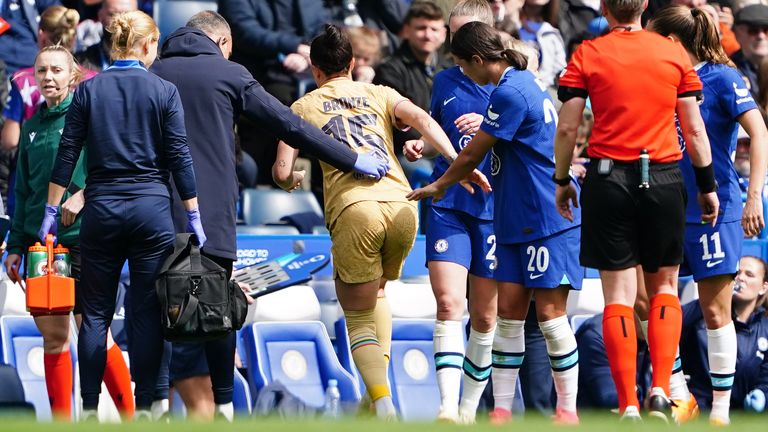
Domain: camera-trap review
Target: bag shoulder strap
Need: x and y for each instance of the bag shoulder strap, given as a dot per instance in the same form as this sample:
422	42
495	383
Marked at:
188	307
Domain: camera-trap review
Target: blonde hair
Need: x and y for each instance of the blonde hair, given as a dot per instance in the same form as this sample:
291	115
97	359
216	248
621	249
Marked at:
77	73
479	9
60	24
524	48
365	41
129	31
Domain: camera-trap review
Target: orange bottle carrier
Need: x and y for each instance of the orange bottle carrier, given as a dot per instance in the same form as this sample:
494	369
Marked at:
49	289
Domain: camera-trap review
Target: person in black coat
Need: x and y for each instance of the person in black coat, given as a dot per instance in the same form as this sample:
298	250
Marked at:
215	92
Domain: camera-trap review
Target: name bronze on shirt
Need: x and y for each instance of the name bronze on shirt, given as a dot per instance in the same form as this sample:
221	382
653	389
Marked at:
343	103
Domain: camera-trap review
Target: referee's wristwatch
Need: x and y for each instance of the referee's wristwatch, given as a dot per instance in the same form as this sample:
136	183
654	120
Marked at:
561	182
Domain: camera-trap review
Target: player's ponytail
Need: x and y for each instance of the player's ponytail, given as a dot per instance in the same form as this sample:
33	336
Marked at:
331	51
129	31
481	40
694	28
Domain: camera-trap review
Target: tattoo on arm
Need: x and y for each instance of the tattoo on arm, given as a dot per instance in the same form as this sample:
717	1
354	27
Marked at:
281	163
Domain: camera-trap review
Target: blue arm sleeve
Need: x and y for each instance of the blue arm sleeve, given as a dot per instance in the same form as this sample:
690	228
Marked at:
175	149
266	111
250	33
72	139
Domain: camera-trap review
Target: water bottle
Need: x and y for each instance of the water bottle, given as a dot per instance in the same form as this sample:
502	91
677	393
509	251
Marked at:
332	400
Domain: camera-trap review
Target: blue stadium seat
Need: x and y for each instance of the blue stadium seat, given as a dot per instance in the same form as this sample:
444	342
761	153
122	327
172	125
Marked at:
412	369
172	14
12	400
578	320
261	206
299	354
22	348
241	397
756	247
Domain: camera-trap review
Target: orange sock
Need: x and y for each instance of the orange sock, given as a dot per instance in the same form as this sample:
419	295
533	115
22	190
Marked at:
665	321
621	347
118	381
58	381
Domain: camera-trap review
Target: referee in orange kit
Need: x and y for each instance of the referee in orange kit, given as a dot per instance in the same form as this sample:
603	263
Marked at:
633	197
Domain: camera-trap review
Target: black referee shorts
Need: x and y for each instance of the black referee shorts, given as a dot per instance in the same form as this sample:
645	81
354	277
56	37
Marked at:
623	226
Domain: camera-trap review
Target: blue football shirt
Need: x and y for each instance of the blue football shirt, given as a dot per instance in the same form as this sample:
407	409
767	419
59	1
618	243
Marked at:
523	117
726	97
453	95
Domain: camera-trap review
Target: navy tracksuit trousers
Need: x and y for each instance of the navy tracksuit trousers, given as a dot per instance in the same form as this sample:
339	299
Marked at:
140	230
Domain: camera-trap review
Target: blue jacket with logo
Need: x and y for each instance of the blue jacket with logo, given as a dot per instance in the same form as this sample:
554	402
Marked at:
751	361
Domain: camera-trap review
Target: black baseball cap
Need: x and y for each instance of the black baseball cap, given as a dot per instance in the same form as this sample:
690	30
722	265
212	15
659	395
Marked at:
756	14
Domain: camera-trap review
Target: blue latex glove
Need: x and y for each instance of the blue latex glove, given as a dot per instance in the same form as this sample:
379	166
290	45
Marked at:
195	225
755	401
49	222
371	165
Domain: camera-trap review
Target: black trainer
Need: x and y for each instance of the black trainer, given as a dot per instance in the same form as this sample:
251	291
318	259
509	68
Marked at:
659	405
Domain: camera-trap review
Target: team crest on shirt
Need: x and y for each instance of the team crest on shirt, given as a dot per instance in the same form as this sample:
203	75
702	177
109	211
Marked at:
762	344
495	163
441	245
32	136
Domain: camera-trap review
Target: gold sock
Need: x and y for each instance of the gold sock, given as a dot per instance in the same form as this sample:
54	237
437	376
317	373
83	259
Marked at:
382	316
367	352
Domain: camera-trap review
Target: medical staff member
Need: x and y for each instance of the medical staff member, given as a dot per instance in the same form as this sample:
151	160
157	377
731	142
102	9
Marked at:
131	124
536	249
712	252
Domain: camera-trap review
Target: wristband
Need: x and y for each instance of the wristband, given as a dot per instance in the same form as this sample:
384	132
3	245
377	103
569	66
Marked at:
705	178
561	182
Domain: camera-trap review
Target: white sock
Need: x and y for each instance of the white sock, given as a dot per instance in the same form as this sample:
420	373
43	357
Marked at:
159	408
477	370
448	343
678	387
507	355
564	359
226	410
721	351
385	409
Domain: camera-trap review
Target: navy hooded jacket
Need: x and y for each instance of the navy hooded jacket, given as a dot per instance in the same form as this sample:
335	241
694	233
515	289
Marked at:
214	93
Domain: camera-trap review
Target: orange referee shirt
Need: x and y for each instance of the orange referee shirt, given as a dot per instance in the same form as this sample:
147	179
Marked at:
633	80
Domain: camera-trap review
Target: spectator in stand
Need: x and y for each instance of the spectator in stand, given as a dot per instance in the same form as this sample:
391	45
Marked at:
751	29
385	15
575	16
506	15
96	57
19	31
750	382
366	47
412	68
538	20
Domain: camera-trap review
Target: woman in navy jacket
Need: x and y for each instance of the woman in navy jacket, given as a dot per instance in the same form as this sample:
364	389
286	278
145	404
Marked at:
131	123
750	383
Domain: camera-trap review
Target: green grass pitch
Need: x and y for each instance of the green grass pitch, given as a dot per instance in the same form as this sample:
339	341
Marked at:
598	422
